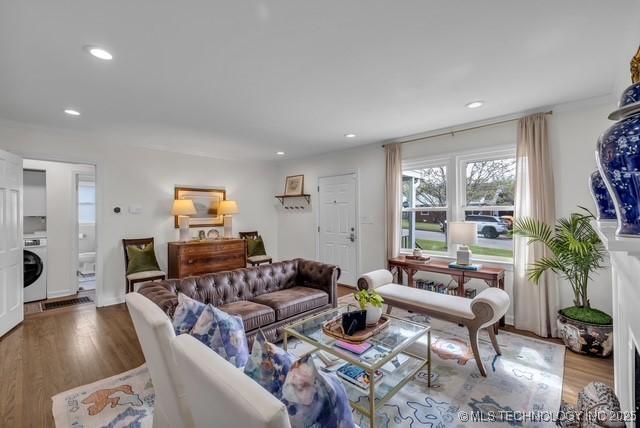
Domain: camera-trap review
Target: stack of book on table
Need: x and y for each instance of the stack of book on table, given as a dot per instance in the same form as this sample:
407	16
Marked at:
368	353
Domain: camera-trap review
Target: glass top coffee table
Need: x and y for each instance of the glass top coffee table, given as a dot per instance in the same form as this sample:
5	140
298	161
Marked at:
388	354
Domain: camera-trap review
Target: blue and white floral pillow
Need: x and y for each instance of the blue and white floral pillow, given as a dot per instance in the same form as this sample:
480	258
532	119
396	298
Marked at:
224	333
186	314
269	365
314	398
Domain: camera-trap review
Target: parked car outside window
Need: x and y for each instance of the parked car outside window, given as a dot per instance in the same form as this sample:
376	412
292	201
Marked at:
489	226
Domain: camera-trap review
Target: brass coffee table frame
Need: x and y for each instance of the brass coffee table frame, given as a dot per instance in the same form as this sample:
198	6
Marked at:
394	352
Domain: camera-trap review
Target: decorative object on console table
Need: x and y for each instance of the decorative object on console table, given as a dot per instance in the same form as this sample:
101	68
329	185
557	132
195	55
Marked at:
139	275
464	234
606	210
618	157
577	253
201	257
227	209
206	201
183	209
294	185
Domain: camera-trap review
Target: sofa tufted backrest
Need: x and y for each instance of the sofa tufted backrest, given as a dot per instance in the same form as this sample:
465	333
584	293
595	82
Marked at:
244	284
241	284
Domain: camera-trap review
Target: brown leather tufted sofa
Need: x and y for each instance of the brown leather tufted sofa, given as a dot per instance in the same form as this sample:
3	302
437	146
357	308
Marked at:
267	297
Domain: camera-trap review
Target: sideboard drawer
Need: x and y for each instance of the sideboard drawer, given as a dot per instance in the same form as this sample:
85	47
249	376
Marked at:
201	257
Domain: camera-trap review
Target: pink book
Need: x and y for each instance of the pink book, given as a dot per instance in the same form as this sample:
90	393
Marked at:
356	349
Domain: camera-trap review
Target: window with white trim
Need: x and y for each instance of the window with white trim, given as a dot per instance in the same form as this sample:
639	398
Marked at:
478	187
86	202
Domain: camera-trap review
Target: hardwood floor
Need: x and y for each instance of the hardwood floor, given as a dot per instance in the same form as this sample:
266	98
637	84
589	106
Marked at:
579	370
53	351
57	350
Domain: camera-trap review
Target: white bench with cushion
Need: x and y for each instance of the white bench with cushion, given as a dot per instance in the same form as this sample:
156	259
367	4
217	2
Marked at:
482	311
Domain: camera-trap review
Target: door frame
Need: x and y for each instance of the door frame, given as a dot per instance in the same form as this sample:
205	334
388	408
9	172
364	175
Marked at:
356	175
75	178
97	164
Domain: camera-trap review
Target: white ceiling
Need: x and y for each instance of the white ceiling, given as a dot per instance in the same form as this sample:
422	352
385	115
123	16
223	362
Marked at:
245	78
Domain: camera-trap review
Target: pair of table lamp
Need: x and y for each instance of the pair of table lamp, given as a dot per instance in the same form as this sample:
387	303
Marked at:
184	209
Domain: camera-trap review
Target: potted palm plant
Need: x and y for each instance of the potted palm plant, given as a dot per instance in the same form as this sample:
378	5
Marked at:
372	303
577	253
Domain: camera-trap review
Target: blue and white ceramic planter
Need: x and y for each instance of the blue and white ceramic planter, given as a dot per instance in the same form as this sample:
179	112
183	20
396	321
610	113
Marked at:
619	160
605	209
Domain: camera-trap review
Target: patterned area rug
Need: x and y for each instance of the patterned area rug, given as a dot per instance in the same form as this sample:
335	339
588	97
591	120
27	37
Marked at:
526	378
124	400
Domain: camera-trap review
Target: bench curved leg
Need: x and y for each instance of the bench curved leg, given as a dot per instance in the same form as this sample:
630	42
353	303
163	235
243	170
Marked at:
494	341
473	337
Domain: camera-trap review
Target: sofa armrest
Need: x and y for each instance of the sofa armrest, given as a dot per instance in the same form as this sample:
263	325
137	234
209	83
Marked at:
162	293
375	279
320	276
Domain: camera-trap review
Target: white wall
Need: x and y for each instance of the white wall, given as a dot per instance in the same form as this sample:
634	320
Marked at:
297	233
574	129
127	175
61	228
573	133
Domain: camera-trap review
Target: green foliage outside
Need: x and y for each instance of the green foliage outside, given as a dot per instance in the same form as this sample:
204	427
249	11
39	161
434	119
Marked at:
427	227
430	245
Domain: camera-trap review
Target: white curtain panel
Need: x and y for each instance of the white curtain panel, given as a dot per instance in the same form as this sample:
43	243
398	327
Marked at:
393	197
535	305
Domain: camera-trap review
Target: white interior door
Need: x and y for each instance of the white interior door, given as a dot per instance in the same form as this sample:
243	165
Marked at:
337	225
11	242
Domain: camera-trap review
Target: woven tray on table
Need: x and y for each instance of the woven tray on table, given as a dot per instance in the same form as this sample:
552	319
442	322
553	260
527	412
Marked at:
333	328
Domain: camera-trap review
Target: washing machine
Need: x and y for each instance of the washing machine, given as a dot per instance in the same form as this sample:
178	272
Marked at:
35	269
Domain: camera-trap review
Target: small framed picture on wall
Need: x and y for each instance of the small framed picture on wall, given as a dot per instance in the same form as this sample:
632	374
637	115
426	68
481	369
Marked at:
294	185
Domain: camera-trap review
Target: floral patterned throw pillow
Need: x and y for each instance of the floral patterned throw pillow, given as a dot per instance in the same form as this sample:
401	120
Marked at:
268	365
314	398
186	314
224	333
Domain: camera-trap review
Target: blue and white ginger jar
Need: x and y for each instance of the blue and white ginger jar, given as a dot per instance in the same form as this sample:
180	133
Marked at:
619	159
605	209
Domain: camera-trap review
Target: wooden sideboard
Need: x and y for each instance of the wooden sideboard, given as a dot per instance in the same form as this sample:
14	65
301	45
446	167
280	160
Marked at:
200	257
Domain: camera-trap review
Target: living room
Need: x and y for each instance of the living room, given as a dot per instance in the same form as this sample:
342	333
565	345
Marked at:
324	124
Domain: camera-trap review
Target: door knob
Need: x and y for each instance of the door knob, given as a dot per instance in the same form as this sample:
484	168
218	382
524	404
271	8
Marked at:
352	237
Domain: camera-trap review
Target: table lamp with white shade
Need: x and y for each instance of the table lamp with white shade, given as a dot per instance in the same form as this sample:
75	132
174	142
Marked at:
227	209
183	208
464	234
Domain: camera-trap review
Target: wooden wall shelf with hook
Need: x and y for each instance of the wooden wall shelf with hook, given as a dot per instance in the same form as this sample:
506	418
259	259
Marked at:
282	198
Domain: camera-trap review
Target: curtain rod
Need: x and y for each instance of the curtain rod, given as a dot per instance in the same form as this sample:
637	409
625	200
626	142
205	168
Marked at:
452	133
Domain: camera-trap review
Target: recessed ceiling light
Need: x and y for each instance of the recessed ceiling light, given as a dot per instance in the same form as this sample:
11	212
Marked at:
280	153
350	135
475	104
99	52
72	112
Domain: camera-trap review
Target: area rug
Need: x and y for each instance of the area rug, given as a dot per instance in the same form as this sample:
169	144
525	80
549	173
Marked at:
524	384
124	400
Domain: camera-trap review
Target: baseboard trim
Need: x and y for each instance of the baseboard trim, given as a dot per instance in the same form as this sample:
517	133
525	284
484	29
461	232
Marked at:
111	301
63	293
